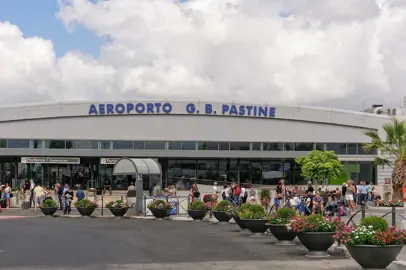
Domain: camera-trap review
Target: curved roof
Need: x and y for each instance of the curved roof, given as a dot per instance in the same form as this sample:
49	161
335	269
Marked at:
21	112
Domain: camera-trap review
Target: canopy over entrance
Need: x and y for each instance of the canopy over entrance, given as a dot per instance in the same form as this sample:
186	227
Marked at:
136	166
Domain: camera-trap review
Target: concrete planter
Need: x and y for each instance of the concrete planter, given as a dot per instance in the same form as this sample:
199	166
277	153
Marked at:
256	226
160	213
118	212
222	216
86	212
49	211
317	243
284	236
374	257
197	214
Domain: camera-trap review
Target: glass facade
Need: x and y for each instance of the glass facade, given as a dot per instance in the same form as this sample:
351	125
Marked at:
339	148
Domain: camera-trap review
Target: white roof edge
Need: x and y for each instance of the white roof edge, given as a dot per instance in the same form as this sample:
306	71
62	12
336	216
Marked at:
80	102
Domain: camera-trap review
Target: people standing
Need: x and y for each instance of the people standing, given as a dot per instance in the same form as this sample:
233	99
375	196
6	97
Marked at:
349	196
132	195
32	187
363	191
68	195
7	193
58	190
80	194
280	194
215	193
38	196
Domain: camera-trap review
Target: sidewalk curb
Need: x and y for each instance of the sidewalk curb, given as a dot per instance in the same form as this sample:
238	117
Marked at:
398	265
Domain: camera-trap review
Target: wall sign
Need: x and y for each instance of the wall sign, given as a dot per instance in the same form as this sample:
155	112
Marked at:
51	160
109	161
179	108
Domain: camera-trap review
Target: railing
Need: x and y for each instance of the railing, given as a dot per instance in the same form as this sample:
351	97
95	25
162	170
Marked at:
364	211
180	204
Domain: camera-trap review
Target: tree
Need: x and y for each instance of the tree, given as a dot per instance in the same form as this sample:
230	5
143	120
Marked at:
392	152
320	165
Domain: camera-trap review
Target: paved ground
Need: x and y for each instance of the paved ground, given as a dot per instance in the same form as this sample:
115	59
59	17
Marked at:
90	243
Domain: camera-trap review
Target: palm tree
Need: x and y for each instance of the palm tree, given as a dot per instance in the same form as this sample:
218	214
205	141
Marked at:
393	152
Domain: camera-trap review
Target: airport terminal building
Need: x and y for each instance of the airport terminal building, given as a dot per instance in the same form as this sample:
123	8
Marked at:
203	141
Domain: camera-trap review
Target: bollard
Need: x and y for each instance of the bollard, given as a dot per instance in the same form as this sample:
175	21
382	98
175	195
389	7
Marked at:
393	216
362	210
102	205
144	205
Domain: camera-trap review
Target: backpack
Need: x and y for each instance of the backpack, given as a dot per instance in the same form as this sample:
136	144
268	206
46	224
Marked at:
237	191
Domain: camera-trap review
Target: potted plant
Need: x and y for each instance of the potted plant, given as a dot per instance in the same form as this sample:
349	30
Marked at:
198	210
277	226
316	233
265	197
85	207
160	208
373	245
222	212
253	216
118	208
49	207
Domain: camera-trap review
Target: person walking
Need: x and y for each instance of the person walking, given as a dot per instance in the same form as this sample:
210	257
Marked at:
68	195
349	196
7	195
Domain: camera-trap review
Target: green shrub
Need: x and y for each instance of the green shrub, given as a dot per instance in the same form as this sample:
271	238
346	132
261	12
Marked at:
116	204
198	205
85	203
159	204
283	216
223	206
377	223
252	211
265	193
49	204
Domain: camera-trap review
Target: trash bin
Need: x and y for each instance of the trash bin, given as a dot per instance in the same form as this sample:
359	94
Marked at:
98	191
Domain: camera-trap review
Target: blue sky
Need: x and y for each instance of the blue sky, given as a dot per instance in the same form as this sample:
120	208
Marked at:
37	18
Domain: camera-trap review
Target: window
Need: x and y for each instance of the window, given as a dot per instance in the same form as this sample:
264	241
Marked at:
155	145
175	145
123	144
272	146
139	145
36	144
69	144
256	172
319	146
105	145
303	146
189	168
240	146
361	150
208	146
224	146
188	145
245	172
338	148
256	146
351	148
85	144
18	144
288	146
55	144
3	143
207	169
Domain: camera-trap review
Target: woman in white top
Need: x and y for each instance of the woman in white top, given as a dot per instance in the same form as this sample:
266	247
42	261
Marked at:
7	193
349	195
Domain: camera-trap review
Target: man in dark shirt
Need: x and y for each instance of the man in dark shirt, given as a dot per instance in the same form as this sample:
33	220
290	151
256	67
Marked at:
310	187
280	193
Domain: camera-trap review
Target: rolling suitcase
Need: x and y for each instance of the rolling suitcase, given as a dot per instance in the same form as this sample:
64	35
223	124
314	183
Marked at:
25	205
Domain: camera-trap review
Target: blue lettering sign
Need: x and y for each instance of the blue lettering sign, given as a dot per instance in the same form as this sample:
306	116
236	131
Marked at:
191	108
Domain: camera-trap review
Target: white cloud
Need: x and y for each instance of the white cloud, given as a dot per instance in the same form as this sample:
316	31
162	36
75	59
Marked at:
324	50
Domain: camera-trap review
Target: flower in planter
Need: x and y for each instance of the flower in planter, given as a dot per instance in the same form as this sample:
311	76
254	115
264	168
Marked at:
160	204
364	235
223	206
282	217
199	205
208	198
49	204
117	204
252	211
85	203
315	223
386	203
